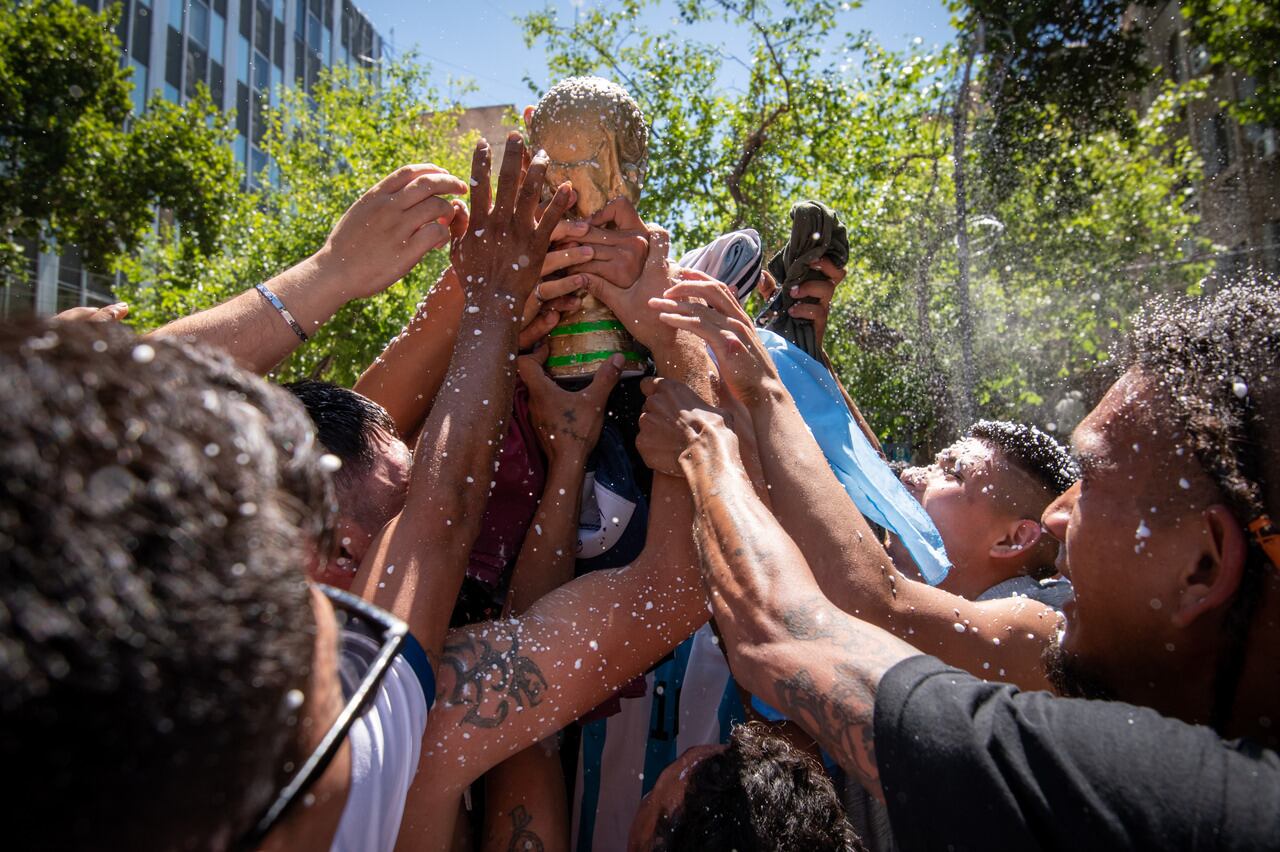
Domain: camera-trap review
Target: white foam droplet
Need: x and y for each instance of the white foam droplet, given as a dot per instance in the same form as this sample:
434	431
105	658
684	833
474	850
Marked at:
143	353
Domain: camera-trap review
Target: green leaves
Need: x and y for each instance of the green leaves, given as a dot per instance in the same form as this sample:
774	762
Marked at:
1090	215
354	128
1244	34
70	169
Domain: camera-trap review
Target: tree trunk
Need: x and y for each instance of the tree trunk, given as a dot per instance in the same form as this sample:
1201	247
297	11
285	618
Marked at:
965	404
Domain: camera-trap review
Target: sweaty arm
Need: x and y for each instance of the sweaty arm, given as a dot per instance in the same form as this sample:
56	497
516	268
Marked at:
1002	638
785	641
504	685
415	565
375	243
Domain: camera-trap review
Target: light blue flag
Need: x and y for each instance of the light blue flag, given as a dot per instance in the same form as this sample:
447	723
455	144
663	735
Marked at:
869	481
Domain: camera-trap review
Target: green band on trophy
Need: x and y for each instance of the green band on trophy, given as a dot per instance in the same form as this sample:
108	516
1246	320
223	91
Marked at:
587	357
586	327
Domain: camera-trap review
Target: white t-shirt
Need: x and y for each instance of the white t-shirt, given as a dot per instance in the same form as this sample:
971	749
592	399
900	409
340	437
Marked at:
385	742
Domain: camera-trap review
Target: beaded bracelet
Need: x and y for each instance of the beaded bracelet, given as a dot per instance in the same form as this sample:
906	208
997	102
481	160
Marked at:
284	312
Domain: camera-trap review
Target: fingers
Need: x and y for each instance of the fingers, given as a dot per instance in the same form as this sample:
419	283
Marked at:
828	268
530	368
461	219
531	189
573	229
563	259
820	290
606	378
659	245
809	312
541	325
552	215
427	238
619	212
402	176
111	313
481	163
429	185
714	293
433	209
509	178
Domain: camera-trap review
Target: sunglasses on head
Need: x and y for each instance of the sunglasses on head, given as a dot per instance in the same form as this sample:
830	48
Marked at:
353	613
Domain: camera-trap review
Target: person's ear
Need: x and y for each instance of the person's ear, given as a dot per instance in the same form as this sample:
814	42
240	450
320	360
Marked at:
1213	580
1019	538
528	119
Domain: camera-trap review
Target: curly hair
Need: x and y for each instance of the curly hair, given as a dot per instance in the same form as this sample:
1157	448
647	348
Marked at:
1216	361
157	506
1035	452
760	793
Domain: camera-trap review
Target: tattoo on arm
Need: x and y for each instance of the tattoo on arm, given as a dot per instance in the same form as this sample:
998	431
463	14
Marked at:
839	713
523	838
839	717
490	681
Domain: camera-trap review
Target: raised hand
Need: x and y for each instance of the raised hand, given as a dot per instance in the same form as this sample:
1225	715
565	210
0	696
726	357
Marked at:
389	228
674	418
568	423
619	251
631	304
745	367
499	257
820	289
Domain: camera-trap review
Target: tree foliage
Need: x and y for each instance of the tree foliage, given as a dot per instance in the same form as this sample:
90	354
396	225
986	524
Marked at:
74	166
354	128
1089	217
1245	35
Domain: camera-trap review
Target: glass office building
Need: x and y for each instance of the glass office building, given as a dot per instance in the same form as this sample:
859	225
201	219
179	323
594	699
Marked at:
246	52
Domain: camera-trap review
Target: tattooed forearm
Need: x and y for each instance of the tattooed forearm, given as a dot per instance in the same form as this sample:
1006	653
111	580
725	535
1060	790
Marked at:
838	715
487	679
523	838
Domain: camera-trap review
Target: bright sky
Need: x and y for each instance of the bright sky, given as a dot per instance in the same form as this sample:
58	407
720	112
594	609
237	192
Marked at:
480	39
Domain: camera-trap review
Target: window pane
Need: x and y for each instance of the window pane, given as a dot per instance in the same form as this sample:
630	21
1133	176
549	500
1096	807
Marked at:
261	73
171	93
139	77
122	25
242	148
242	109
97	290
246	18
277	84
69	275
326	49
217	84
197	68
243	59
141	47
198	23
218	38
262	28
279	9
173	58
176	8
278	44
313	32
257	161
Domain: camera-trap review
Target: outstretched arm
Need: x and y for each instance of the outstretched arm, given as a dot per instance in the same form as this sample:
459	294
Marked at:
525	794
375	243
415	565
785	641
1003	638
507	684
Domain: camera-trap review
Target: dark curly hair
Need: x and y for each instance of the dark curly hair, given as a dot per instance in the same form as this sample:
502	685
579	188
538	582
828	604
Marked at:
1032	450
157	508
760	793
1216	361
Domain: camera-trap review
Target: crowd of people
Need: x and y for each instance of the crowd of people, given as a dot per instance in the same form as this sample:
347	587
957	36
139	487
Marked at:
240	615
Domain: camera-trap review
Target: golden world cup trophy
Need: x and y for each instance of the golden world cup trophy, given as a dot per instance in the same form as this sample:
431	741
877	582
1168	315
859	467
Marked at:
595	136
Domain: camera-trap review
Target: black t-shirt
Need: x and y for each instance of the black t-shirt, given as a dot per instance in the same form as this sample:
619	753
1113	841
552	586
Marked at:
972	765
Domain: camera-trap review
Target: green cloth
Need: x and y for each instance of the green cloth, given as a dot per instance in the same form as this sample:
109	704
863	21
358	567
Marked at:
816	233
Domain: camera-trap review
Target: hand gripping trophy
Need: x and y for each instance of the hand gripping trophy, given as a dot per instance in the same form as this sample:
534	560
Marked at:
595	136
